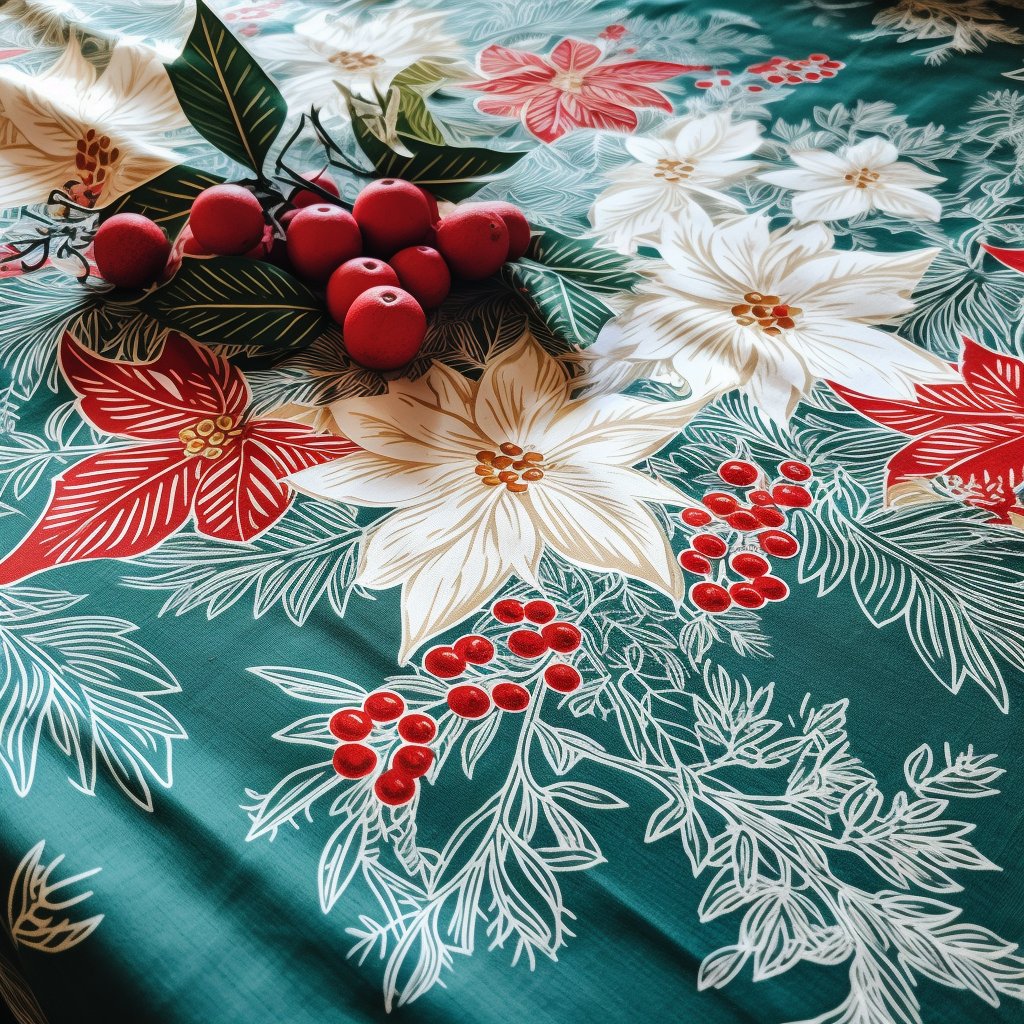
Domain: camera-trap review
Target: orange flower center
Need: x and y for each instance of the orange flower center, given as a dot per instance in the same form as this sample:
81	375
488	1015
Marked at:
352	61
768	312
569	81
513	467
95	161
674	170
862	178
209	438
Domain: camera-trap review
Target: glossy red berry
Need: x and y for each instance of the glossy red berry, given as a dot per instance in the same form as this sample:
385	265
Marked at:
692	561
354	760
226	219
748	564
540	611
414	761
525	643
417	728
792	495
131	250
719	503
394	787
768	515
477	650
563	678
384	328
743	520
351	725
473	242
741	474
771	588
305	197
384	706
695	517
444	662
320	239
392	214
710	545
760	498
778	543
423	273
562	636
351	279
508	611
799	471
468	701
510	697
710	597
515	223
746	596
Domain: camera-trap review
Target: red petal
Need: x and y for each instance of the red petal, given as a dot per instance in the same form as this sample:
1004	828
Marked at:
296	446
527	84
499	60
996	379
1013	258
572	55
625	96
499	107
153	401
547	118
628	72
975	451
116	504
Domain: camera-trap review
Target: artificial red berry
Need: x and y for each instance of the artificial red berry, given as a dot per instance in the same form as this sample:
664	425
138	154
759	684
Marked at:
760	498
710	597
351	725
432	212
186	243
262	248
351	279
468	701
475	649
510	697
525	643
719	503
508	611
694	562
473	241
778	543
742	474
131	250
423	273
444	662
746	563
392	214
416	728
771	588
226	219
515	223
710	545
384	706
695	517
540	611
305	197
414	761
384	327
320	239
743	520
394	787
562	636
563	678
769	516
792	495
745	595
354	760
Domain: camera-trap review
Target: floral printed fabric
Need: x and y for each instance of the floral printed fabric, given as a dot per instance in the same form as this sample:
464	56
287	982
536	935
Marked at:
650	649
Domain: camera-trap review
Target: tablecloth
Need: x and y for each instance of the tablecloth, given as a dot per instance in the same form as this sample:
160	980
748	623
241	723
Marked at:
720	684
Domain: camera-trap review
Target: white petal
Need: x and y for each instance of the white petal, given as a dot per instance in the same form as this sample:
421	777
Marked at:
136	94
908	174
872	153
648	150
828	165
624	213
364	478
831	203
907	203
799	180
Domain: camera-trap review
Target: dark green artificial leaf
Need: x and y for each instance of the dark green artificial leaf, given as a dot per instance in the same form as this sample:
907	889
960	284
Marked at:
226	95
583	261
166	199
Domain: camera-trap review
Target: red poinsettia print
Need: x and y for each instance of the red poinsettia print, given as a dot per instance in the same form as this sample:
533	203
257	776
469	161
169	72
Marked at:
971	432
197	454
572	87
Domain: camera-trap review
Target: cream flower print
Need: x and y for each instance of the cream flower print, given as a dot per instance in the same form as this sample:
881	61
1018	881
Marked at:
690	161
362	54
95	135
860	178
483	476
735	305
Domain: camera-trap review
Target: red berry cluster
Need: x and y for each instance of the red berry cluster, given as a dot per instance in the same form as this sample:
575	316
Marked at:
354	759
760	519
779	71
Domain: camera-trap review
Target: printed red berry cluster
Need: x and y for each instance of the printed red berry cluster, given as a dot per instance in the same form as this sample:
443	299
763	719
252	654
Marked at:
354	759
779	71
737	528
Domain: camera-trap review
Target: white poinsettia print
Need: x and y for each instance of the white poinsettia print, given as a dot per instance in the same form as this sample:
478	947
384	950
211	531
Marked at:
362	54
858	179
483	475
690	161
735	305
96	135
